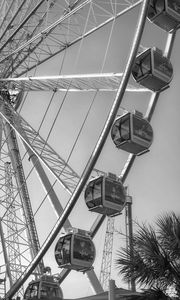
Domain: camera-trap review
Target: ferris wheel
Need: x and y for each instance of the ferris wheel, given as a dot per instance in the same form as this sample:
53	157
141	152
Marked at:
64	73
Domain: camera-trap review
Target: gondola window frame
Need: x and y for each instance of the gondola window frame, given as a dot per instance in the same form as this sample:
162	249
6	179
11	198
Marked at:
156	71
30	291
139	62
92	185
77	261
121	122
140	138
67	238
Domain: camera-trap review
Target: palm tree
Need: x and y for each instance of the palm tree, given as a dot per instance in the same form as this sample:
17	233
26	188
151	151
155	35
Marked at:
155	262
151	294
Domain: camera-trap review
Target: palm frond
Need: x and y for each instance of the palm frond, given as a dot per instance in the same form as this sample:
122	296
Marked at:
156	254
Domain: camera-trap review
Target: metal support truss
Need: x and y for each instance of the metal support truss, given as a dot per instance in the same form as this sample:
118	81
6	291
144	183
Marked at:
22	61
12	241
15	245
59	210
97	150
24	205
107	254
129	233
57	166
71	83
33	44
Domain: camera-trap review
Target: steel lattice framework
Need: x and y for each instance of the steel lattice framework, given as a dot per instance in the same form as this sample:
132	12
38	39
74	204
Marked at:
106	265
31	33
14	253
29	36
33	42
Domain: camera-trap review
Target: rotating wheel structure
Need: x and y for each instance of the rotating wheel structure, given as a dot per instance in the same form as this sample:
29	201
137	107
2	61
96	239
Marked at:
62	63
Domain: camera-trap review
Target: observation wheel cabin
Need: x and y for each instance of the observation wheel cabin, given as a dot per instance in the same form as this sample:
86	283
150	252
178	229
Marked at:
105	195
152	70
75	250
165	14
131	133
45	288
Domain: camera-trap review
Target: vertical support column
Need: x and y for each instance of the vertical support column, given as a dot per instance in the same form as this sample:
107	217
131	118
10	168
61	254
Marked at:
107	254
111	294
8	272
130	236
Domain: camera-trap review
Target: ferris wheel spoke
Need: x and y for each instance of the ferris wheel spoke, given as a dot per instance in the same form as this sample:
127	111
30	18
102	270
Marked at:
71	83
31	33
14	14
81	21
57	166
23	19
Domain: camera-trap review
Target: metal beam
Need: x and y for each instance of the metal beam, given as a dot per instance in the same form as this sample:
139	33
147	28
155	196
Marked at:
66	176
59	210
8	271
95	154
71	83
62	34
21	183
47	185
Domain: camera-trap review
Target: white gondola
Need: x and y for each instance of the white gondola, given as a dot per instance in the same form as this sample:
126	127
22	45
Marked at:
105	195
44	288
132	133
152	70
75	250
165	14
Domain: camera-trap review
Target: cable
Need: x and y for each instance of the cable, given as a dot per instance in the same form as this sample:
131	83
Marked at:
93	100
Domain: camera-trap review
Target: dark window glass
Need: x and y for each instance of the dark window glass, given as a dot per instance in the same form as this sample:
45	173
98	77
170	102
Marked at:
115	132
27	294
142	66
156	7
62	250
50	291
142	129
66	249
125	128
58	252
89	192
93	193
97	191
145	65
174	5
114	192
83	249
159	6
32	291
162	64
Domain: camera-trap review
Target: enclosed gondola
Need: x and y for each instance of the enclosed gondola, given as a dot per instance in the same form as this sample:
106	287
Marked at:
165	14
132	133
152	70
44	288
105	195
75	250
